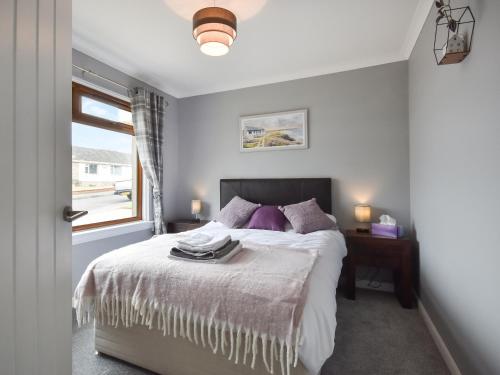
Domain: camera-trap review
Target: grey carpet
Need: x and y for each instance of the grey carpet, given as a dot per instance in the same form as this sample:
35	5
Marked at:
375	336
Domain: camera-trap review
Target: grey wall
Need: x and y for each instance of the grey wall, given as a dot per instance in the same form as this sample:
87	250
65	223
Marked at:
358	136
455	179
86	252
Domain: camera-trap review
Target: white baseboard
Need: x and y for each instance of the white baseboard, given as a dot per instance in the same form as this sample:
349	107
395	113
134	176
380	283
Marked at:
438	340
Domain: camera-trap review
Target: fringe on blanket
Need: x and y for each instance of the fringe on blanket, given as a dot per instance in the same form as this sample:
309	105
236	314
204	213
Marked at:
176	321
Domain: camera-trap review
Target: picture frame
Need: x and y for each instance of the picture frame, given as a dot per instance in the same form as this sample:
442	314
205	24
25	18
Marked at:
274	131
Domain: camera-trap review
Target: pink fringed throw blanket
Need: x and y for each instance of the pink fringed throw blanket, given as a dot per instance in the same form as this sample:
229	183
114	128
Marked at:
255	300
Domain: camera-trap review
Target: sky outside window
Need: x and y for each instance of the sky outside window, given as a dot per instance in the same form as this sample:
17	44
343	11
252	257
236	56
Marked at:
106	111
92	137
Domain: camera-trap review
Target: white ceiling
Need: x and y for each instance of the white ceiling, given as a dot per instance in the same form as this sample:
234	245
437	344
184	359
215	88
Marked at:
278	40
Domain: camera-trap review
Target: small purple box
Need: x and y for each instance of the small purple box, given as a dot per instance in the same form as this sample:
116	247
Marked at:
383	230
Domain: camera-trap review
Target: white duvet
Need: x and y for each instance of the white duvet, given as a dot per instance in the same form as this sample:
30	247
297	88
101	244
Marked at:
319	322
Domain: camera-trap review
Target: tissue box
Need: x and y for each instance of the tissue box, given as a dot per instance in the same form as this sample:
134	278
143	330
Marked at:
391	231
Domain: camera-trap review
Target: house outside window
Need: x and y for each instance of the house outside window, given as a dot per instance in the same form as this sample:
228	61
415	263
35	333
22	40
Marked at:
106	172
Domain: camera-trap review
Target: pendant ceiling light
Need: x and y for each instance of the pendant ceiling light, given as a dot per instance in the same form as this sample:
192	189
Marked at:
214	29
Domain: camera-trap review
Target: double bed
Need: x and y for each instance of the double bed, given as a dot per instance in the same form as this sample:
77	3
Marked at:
148	347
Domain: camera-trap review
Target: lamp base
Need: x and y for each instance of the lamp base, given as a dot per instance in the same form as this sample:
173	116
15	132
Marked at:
362	230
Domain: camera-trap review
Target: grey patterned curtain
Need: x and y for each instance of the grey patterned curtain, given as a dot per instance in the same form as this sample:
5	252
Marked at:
147	116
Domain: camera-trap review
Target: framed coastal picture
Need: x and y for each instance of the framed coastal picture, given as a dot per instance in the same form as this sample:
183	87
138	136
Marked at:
274	131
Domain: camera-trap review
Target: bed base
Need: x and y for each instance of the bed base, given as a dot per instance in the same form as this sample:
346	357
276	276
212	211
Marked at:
167	355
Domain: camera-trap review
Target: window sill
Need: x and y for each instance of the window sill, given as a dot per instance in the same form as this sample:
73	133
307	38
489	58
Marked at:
108	232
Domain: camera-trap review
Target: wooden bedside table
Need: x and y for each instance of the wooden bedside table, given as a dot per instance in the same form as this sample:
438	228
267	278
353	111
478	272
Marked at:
367	250
183	225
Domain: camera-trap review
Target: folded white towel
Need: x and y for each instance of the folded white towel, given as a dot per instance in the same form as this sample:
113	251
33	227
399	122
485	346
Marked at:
197	239
203	242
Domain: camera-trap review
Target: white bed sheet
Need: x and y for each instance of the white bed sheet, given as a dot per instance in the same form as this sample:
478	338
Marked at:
319	317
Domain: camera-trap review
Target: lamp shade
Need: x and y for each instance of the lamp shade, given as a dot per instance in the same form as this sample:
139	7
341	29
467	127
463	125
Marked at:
363	213
214	29
195	206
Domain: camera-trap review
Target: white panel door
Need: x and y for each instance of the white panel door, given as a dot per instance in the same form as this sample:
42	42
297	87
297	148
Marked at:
35	185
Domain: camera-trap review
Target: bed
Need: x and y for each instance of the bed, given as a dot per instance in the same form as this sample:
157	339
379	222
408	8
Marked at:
165	354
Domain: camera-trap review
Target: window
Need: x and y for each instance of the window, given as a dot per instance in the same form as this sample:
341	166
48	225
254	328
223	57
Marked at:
91	169
106	172
116	170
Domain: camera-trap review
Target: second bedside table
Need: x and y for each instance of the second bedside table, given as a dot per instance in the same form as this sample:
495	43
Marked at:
367	250
182	225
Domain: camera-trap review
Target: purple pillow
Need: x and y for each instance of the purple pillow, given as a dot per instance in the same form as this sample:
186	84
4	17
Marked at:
237	212
269	218
307	217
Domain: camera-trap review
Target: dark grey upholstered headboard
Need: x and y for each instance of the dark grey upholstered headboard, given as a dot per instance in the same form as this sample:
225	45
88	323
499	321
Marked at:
278	191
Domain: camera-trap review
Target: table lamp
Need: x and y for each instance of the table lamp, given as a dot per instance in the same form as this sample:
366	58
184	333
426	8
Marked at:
196	208
363	214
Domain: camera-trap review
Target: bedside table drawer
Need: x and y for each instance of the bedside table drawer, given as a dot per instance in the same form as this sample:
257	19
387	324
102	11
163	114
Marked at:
377	260
378	247
184	225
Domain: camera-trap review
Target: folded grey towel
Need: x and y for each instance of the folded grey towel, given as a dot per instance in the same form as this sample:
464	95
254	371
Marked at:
221	260
217	254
